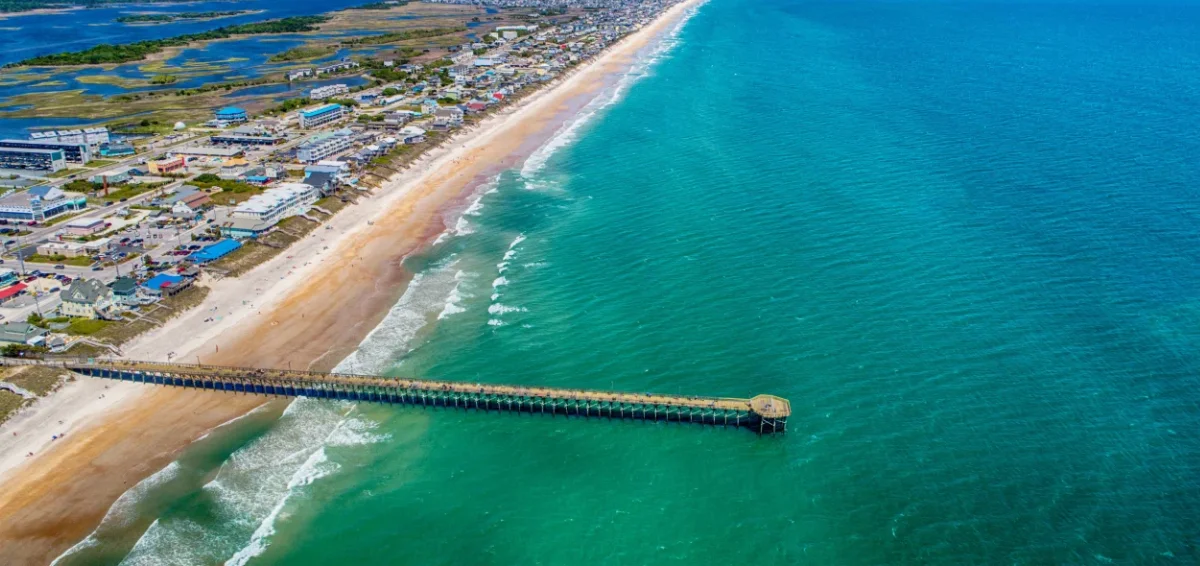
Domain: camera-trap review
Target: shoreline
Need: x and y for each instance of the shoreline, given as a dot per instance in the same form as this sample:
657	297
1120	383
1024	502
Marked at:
309	308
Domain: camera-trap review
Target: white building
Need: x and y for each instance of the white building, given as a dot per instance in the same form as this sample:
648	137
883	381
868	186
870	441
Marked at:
328	91
275	204
89	136
324	145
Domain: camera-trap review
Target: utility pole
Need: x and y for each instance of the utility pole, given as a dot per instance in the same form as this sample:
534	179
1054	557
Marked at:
21	254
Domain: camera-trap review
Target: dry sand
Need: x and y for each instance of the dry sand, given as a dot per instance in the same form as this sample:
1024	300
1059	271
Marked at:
309	307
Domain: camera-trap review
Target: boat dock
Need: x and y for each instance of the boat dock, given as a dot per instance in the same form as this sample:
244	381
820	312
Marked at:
764	414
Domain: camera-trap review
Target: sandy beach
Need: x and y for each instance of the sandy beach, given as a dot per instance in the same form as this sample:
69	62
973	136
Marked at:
309	307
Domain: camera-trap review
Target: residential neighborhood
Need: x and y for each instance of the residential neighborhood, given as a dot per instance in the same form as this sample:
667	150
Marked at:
110	227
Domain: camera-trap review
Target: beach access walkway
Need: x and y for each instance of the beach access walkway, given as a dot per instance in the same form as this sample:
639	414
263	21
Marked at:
764	414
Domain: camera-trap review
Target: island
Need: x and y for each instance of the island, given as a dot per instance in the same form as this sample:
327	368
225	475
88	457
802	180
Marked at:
168	18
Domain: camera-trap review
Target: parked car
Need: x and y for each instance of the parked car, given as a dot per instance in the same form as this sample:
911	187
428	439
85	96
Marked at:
97	268
60	266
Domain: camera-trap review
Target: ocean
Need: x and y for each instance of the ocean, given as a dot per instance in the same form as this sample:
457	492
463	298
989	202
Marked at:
961	237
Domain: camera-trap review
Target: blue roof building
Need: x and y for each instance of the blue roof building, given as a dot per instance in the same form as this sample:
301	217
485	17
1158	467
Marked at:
165	284
231	114
215	251
322	115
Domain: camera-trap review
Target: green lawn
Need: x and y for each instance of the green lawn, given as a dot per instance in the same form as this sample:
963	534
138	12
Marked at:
95	163
115	195
63	173
87	326
80	261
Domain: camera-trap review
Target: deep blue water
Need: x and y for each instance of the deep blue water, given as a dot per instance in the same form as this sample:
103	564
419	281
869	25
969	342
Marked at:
960	237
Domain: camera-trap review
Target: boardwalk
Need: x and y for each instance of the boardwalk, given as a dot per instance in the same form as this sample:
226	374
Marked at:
765	414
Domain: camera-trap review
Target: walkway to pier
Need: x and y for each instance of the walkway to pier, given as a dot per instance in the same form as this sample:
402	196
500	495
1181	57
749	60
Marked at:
763	413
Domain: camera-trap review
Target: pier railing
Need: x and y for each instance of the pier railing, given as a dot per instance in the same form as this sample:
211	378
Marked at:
765	414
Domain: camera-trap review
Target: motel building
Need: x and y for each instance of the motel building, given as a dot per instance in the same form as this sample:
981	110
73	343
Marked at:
259	214
322	115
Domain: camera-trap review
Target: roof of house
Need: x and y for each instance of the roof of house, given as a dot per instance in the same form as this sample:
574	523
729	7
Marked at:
162	280
85	291
20	332
185	192
195	200
319	179
124	286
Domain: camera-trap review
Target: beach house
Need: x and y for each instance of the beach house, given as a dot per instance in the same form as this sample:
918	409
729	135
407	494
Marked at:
165	285
125	291
22	333
84	297
189	205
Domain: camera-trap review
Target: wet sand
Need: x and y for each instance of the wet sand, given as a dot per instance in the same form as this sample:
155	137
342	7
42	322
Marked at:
325	309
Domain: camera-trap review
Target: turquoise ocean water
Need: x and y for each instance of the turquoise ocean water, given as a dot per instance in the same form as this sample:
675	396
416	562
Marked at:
961	237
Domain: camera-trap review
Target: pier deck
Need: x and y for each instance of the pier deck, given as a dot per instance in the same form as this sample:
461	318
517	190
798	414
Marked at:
765	414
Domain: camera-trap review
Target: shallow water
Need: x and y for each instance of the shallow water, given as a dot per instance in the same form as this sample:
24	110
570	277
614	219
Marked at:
960	237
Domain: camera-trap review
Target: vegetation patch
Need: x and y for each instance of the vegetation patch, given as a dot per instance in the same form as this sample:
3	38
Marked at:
86	326
10	403
167	18
393	37
232	192
39	380
304	53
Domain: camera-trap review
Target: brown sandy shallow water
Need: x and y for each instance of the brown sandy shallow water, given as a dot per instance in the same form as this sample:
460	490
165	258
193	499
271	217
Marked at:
61	496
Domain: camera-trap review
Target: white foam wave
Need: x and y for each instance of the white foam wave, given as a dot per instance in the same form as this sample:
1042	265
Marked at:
499	282
494	322
454	299
476	207
497	308
426	295
462	227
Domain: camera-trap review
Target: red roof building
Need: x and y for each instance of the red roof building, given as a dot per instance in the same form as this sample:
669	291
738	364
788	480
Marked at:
11	291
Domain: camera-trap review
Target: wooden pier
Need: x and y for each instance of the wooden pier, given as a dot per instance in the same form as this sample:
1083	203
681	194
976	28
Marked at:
764	414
